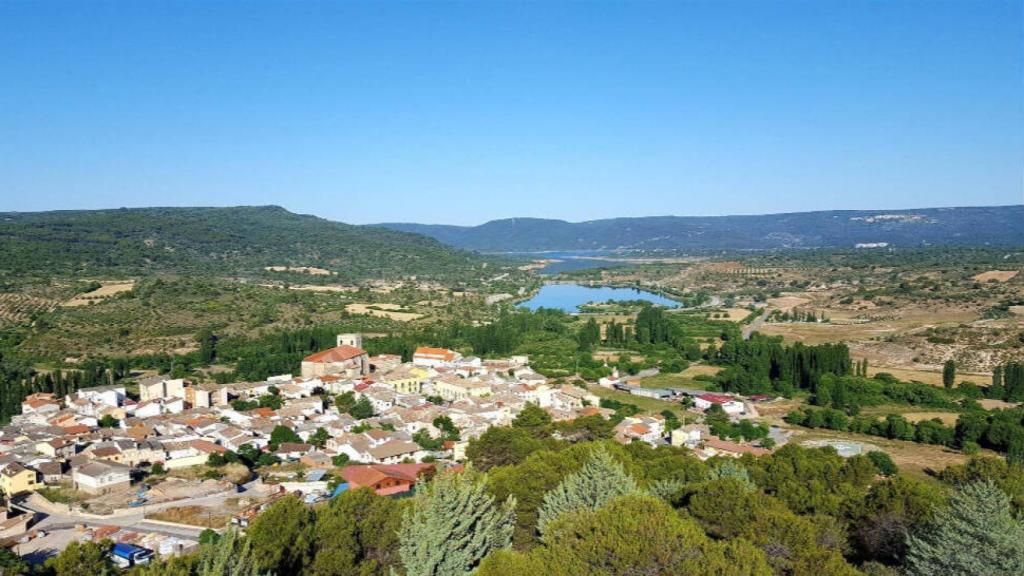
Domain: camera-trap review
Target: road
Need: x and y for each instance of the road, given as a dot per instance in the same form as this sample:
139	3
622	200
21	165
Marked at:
136	521
755	325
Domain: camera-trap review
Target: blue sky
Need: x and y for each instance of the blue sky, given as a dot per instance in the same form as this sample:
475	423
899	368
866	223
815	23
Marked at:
461	112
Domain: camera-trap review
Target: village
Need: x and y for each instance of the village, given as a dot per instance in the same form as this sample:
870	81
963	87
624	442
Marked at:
348	420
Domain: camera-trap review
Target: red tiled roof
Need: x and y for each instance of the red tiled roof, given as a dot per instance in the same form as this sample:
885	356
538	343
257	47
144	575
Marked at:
367	475
336	354
440	353
207	446
716	398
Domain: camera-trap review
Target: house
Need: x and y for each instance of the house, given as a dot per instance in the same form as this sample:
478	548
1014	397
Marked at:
57	448
293	450
112	396
454	388
52	472
433	357
157	387
729	404
689	435
41	403
395	451
15	479
714	446
344	360
384	479
101	477
404	379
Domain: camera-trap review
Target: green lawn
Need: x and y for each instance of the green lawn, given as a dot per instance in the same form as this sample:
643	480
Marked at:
665	380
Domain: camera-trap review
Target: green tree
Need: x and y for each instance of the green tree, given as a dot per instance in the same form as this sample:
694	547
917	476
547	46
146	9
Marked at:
11	564
632	535
108	421
320	437
80	558
452	524
362	409
948	373
975	535
281	434
357	534
229	555
893	509
534	419
500	446
282	537
599	480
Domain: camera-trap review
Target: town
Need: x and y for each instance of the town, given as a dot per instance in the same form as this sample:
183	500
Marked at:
348	420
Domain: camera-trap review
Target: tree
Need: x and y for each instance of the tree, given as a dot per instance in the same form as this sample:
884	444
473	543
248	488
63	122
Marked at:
108	421
452	524
882	461
893	509
80	558
976	534
357	534
362	409
948	373
229	555
632	535
534	419
281	434
339	460
282	537
319	438
589	488
499	446
11	564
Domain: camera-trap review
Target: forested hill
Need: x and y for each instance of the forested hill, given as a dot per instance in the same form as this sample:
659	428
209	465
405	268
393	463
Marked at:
236	240
987	226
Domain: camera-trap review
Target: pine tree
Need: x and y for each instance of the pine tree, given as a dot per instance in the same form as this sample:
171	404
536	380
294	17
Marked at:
230	555
589	488
976	535
453	524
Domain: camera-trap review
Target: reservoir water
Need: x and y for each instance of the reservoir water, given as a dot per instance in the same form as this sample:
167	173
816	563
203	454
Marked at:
568	297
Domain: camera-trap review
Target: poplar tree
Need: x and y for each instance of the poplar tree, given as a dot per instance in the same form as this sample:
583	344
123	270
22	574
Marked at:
230	555
589	488
976	535
452	524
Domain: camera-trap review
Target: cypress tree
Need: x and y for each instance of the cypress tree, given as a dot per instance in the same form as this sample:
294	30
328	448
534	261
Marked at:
453	524
976	535
589	488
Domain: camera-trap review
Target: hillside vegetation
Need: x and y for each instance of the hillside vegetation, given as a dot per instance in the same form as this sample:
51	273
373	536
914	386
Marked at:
998	226
238	240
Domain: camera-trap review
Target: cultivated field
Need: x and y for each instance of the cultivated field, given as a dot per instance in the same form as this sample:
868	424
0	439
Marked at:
383	310
997	275
106	290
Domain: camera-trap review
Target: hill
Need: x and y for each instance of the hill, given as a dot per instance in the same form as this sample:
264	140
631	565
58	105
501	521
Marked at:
985	226
224	241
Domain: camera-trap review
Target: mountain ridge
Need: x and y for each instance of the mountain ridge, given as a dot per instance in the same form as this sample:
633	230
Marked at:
222	240
946	226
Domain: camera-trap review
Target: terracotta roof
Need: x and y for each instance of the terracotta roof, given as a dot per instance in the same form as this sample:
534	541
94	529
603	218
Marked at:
207	446
336	354
441	353
369	474
716	398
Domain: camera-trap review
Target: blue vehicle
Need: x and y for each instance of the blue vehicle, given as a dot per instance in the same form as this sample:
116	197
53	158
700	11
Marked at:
128	555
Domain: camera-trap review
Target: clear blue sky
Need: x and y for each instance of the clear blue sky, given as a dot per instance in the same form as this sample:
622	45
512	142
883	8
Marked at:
461	112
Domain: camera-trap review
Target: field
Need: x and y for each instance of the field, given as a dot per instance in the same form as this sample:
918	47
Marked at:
300	269
649	405
18	307
106	290
996	275
918	460
392	311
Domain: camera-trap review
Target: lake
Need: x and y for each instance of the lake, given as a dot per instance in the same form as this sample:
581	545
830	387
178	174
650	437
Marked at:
569	297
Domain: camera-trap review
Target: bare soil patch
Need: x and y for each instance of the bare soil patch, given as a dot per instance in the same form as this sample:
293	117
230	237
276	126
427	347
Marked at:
383	310
997	275
300	269
106	290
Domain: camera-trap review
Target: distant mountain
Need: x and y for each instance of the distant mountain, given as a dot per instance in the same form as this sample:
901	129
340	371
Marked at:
238	240
992	226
